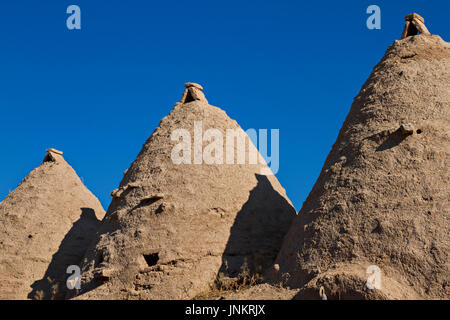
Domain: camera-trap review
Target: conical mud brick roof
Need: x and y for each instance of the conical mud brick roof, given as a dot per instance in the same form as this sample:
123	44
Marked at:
172	228
46	225
381	199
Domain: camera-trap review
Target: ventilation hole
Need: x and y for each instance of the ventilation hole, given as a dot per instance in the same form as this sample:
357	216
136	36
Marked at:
408	56
151	259
419	131
30	236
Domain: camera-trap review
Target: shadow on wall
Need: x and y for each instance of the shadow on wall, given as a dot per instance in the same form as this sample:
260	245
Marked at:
70	252
393	140
258	231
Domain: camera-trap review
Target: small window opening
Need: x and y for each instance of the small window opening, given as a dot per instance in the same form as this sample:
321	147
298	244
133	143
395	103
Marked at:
151	259
189	97
99	258
49	158
412	30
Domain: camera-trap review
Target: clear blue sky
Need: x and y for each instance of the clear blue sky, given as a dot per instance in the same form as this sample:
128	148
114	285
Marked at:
99	92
